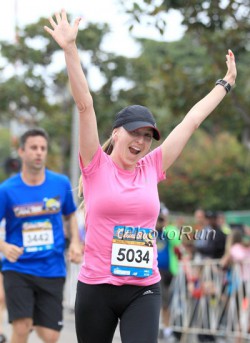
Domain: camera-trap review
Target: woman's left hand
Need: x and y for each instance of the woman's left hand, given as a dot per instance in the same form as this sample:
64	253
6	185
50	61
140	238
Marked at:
231	68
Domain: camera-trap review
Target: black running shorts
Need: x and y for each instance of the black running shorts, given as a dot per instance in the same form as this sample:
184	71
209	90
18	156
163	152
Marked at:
99	308
39	298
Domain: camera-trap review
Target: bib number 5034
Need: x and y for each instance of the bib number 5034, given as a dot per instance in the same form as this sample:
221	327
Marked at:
131	255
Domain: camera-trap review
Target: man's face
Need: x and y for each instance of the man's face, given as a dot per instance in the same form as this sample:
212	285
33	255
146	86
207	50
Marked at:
199	217
213	222
34	153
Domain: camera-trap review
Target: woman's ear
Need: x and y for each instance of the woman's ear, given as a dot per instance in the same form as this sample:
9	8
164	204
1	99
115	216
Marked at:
114	134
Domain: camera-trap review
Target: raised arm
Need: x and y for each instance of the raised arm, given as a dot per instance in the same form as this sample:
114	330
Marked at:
177	139
65	35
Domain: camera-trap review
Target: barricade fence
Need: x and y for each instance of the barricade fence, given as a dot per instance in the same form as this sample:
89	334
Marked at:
207	299
70	285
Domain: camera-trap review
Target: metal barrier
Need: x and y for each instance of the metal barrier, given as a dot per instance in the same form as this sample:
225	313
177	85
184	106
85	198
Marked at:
209	300
206	299
70	285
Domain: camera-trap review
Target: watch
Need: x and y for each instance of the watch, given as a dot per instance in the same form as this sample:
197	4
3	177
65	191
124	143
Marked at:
224	84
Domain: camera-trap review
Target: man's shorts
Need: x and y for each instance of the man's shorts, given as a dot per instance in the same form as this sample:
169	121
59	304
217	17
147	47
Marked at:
39	298
166	278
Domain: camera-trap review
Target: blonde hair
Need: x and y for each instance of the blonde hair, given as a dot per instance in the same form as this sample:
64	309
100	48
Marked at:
107	147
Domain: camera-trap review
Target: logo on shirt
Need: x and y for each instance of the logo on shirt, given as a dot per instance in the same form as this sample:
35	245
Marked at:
148	292
47	206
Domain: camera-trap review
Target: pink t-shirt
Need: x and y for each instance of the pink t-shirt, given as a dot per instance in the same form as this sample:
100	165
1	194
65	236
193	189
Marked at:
116	197
240	254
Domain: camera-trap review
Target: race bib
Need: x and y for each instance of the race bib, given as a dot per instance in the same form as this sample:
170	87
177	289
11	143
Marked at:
132	251
37	235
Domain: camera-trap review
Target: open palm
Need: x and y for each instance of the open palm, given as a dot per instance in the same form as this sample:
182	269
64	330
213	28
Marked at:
62	32
231	68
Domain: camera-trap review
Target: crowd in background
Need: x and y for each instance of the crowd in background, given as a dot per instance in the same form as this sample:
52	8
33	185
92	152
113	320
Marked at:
212	240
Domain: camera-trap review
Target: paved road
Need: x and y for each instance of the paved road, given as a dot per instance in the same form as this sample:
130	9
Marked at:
68	332
67	335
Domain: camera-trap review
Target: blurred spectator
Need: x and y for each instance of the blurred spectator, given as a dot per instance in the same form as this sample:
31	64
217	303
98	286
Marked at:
212	241
199	219
225	228
80	215
167	245
211	244
239	254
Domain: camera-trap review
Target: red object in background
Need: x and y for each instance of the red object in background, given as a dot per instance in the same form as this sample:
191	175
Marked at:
177	252
197	293
12	165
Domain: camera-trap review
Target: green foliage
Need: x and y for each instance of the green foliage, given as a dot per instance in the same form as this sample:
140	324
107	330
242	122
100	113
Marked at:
170	78
35	94
197	16
212	173
4	151
197	60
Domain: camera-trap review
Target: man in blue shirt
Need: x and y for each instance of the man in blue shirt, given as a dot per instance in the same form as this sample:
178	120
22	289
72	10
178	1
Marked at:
33	203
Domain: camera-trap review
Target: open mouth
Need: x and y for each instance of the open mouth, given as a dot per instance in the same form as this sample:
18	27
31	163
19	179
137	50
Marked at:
134	151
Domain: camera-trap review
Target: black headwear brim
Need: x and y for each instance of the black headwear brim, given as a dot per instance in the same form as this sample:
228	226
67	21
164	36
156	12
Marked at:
139	124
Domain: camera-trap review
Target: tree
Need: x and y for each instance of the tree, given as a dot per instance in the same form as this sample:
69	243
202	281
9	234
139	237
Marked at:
36	92
198	15
211	27
5	151
212	173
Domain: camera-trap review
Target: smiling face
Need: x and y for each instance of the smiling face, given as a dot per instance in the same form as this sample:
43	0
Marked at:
130	146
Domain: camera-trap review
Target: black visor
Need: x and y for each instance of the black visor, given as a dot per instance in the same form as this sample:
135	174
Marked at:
135	117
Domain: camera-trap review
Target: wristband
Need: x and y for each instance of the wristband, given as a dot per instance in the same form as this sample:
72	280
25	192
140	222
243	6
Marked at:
224	84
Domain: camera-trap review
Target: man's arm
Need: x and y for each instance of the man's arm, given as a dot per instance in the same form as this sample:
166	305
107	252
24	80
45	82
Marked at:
10	251
75	250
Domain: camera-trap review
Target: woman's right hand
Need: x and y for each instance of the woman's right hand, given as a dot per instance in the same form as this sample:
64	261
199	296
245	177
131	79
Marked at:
62	32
